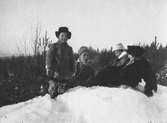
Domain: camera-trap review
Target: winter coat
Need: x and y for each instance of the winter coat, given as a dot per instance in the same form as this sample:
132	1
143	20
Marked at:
59	58
84	74
140	69
110	75
133	69
128	71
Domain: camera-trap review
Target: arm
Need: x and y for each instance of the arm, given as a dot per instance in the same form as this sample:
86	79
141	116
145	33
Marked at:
50	61
76	69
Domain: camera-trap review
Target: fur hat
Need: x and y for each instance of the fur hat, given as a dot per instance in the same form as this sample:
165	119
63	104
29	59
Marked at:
118	46
82	50
63	29
136	51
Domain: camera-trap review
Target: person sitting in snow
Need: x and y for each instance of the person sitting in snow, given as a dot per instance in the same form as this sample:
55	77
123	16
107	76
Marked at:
110	75
128	69
59	62
134	67
84	73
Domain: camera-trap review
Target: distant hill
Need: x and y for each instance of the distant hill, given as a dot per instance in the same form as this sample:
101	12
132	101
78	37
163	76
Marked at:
4	55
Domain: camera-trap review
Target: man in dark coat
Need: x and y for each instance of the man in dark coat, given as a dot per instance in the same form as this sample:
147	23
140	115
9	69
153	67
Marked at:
129	69
59	60
136	68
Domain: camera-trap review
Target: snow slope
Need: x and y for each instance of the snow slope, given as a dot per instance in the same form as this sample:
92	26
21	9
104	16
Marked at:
91	105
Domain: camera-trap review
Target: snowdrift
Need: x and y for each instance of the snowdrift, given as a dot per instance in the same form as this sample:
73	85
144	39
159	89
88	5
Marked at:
91	105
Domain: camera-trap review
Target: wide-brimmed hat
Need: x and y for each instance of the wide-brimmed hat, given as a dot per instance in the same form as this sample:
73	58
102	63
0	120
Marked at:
63	29
118	46
82	50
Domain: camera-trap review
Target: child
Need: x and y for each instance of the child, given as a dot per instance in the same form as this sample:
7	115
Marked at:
59	61
84	73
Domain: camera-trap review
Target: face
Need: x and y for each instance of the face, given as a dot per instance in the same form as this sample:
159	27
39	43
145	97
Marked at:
84	57
117	53
63	37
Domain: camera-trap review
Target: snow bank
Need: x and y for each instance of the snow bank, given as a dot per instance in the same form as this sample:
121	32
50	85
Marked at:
91	105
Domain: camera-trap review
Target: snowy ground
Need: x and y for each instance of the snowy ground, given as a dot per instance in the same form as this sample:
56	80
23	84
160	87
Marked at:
91	105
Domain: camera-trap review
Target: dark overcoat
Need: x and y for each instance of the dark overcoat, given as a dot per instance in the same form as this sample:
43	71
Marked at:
59	58
84	74
128	74
134	73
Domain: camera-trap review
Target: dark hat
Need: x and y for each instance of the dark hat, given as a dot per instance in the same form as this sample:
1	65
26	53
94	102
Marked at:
63	29
136	51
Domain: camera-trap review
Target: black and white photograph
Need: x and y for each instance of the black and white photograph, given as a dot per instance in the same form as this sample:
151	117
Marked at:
83	61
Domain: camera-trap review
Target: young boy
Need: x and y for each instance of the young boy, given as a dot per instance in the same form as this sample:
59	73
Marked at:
59	62
84	73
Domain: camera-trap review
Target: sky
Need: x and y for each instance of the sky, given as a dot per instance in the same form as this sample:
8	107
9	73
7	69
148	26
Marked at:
97	23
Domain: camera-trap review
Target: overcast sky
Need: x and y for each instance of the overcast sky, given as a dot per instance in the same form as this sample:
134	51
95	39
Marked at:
96	23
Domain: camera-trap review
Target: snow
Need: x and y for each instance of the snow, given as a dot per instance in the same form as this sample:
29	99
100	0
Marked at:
91	105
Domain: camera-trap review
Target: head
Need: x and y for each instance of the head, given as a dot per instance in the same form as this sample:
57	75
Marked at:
117	53
118	49
83	55
63	34
136	51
